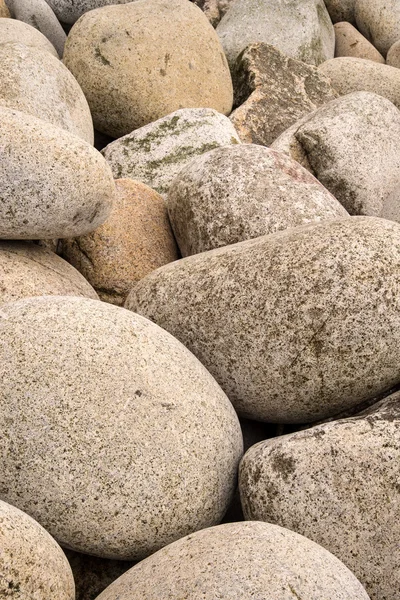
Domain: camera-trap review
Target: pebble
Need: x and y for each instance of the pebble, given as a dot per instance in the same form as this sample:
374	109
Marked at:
350	42
12	30
379	22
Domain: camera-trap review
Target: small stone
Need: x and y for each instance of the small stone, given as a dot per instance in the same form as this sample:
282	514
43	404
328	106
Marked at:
350	42
12	30
156	153
135	240
393	56
242	192
379	22
272	92
4	12
341	10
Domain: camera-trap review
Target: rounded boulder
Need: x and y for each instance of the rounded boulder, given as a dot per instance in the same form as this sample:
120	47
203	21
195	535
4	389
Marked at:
12	30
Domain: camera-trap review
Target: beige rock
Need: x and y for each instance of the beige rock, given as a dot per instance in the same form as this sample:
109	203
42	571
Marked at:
242	192
239	561
379	22
393	56
52	183
122	441
126	85
350	42
34	82
12	30
341	10
4	12
314	482
29	270
272	92
290	333
135	240
32	565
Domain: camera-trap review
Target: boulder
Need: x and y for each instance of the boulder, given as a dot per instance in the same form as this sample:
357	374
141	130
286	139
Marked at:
350	42
239	561
121	441
352	146
127	85
29	270
314	482
69	11
341	10
393	56
32	565
135	240
273	91
156	153
52	183
277	23
12	30
295	326
242	192
34	82
379	22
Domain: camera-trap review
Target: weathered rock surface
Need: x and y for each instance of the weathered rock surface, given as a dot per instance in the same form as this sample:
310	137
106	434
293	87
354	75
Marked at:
393	56
128	86
12	30
121	441
272	92
34	82
135	240
32	565
52	183
379	22
277	23
29	270
352	146
341	10
294	326
69	11
240	561
314	482
237	193
156	153
4	12
350	42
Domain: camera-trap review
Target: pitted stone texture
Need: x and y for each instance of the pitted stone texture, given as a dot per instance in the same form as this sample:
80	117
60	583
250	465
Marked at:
341	10
12	30
352	146
140	61
121	441
237	193
239	561
379	22
4	12
34	82
314	482
135	240
393	56
295	326
350	42
302	29
29	270
32	565
155	154
69	11
39	14
52	183
272	92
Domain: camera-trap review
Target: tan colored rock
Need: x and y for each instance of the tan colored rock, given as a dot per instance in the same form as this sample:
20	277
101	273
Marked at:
127	85
135	240
379	21
12	30
4	12
393	56
350	42
32	564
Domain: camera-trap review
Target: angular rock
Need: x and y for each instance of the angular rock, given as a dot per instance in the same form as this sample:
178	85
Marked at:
69	11
393	56
135	240
121	441
28	270
155	154
291	332
379	22
36	83
274	91
52	183
237	193
341	10
350	42
277	23
32	565
4	12
352	146
239	561
12	30
128	86
314	482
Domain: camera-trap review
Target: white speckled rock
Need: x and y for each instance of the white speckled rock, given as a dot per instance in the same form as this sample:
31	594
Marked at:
352	146
337	484
295	326
341	10
301	29
241	192
12	30
52	183
121	441
140	61
379	22
29	270
69	11
393	56
34	82
156	153
350	42
239	561
32	565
